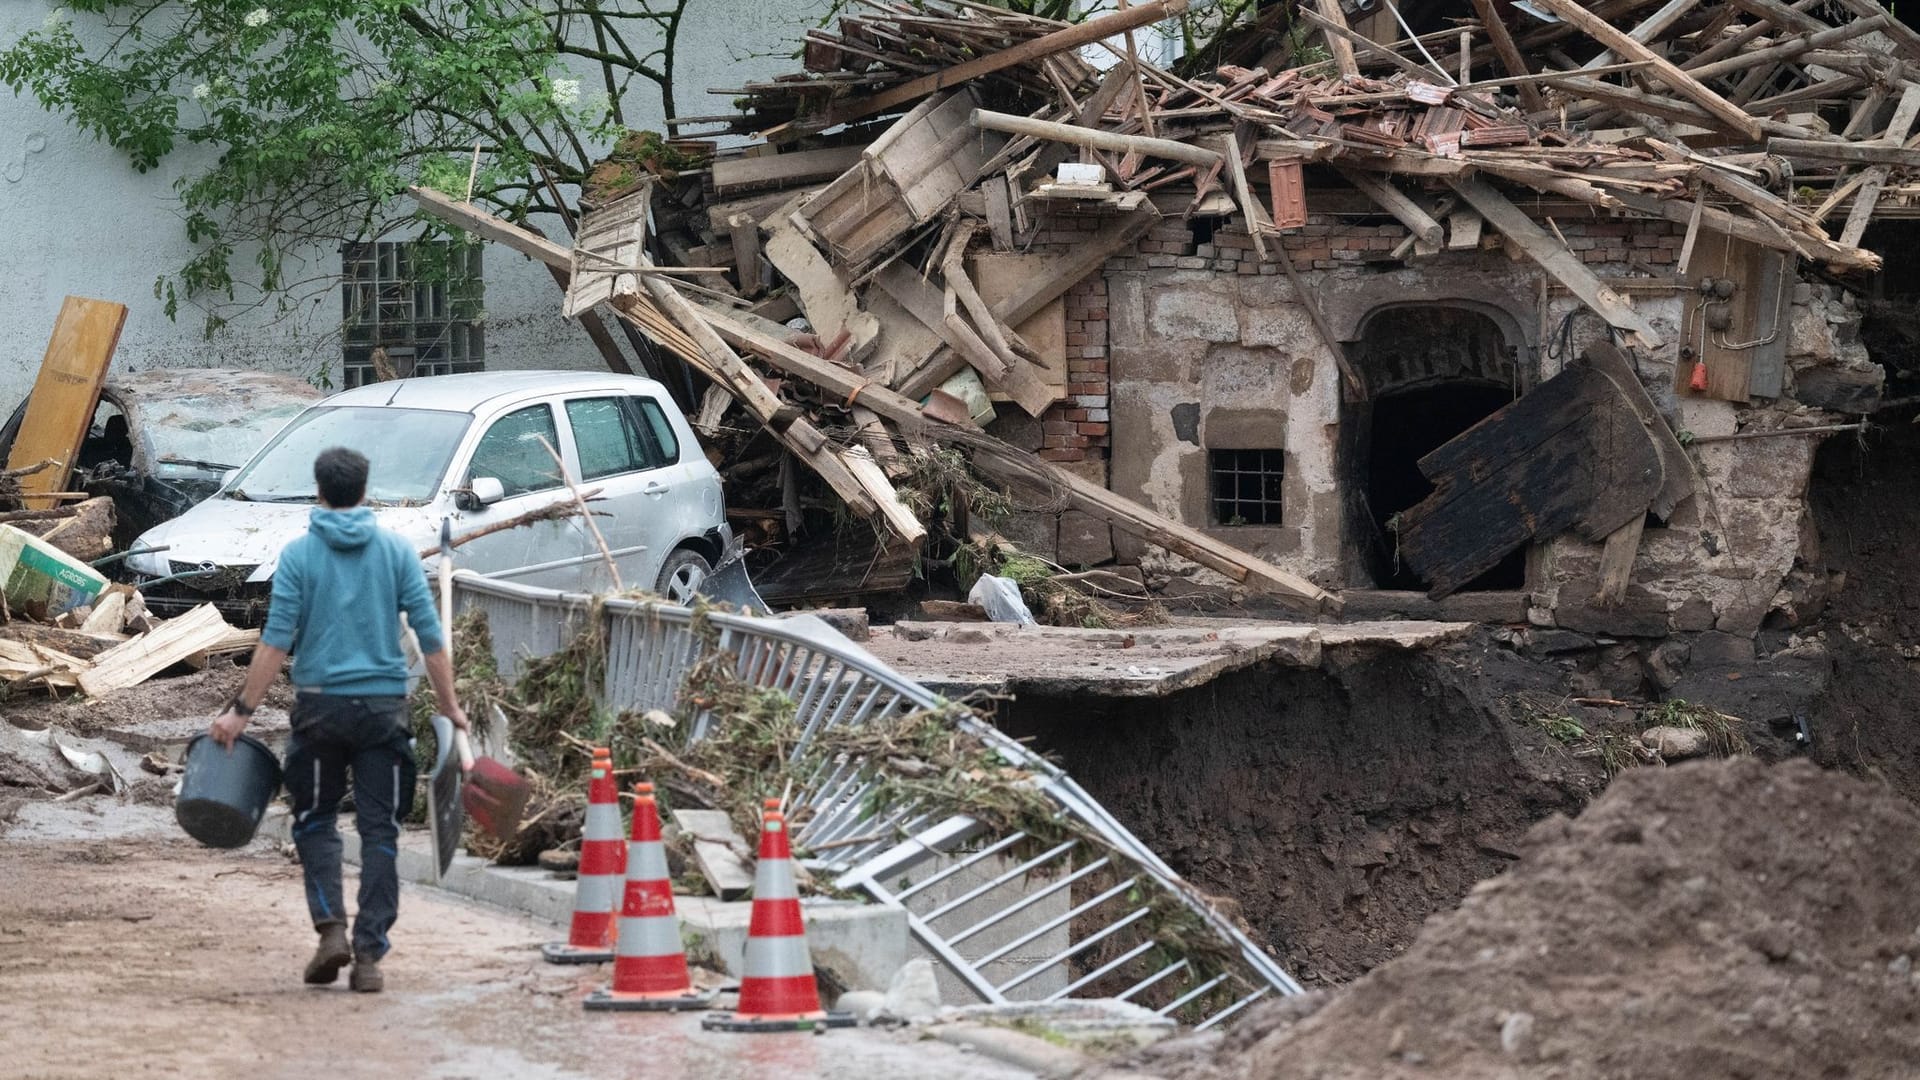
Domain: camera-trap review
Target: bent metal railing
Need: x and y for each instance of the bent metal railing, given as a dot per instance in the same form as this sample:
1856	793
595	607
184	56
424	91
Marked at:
1010	917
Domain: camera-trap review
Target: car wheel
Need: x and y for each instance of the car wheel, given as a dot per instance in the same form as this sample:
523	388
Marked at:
682	576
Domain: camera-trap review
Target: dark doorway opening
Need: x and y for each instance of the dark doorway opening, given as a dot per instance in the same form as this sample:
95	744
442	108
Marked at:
1407	426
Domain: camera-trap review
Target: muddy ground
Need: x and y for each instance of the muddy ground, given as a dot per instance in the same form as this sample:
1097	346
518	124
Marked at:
1715	919
1339	807
143	954
181	695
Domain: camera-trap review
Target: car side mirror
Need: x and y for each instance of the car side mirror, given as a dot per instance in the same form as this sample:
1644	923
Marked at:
483	491
227	478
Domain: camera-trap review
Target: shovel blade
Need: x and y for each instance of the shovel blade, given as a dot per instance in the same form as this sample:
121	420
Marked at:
496	797
445	817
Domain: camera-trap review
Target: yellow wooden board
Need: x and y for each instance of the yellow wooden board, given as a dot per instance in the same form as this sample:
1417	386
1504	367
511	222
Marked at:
66	392
998	276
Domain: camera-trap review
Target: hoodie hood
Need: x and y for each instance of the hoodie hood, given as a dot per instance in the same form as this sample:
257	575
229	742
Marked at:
342	530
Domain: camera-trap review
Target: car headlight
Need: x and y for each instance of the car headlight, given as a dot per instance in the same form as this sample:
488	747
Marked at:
150	563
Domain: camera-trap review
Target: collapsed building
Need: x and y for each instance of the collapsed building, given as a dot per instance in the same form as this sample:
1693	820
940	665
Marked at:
1539	310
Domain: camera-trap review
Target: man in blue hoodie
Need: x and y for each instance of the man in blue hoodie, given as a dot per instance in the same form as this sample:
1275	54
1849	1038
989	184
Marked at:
338	593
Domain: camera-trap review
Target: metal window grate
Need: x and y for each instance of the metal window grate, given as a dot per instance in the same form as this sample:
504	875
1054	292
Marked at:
421	301
1247	486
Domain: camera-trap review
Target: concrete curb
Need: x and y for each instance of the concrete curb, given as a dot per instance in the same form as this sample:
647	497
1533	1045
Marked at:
861	945
1023	1051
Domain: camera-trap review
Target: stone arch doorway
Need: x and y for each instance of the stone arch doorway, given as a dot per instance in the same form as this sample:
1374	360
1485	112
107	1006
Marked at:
1431	372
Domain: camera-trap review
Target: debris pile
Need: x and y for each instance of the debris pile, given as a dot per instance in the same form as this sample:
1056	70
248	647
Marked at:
867	278
1712	919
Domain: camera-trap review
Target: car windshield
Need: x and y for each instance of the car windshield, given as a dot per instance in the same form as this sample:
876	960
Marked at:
194	435
407	452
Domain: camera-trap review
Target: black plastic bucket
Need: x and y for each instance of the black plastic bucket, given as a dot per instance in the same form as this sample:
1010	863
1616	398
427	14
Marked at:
224	795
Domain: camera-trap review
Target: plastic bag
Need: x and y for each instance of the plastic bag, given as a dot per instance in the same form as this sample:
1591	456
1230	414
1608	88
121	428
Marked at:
1000	598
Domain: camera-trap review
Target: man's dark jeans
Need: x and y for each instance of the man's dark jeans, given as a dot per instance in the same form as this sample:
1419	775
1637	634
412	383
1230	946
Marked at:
332	735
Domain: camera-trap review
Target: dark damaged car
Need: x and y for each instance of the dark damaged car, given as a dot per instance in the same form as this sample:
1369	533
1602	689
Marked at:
162	440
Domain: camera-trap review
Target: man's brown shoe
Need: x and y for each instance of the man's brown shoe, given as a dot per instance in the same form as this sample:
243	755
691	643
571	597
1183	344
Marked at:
332	955
366	976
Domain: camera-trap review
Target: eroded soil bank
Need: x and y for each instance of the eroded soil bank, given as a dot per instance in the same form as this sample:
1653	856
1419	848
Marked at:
1337	807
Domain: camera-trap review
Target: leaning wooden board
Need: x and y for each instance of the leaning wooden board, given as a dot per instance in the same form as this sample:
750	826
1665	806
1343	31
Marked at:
65	394
1572	455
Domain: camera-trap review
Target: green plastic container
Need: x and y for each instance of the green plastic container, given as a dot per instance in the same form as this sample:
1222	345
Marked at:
42	580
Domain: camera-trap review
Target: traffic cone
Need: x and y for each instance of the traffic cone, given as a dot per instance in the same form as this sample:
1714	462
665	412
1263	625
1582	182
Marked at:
649	963
603	861
777	989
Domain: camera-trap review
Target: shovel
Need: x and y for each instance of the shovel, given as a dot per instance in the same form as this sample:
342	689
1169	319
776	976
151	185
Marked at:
491	793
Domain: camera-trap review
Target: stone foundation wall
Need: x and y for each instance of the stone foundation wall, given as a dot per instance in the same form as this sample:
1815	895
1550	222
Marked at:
1193	343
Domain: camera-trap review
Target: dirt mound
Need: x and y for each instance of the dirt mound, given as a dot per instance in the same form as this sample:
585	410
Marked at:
1722	919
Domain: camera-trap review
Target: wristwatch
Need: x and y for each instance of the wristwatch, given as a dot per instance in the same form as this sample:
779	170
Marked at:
238	707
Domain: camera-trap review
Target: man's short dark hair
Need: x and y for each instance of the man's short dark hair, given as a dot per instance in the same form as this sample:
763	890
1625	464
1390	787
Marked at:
342	476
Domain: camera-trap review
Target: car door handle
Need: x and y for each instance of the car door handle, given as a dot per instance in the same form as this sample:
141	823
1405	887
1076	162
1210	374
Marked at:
655	487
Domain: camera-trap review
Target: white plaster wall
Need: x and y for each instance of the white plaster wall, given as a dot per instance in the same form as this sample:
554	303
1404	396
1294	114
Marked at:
81	221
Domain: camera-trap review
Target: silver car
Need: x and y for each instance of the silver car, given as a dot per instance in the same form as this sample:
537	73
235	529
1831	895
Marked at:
478	449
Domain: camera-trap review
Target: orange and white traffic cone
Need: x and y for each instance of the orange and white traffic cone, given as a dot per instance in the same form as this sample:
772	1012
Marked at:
777	989
649	963
603	863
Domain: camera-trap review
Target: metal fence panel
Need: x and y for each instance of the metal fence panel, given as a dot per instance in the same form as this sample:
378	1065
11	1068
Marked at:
1010	918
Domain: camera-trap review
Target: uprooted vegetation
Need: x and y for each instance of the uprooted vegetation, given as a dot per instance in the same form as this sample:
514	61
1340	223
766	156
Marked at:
734	741
1624	743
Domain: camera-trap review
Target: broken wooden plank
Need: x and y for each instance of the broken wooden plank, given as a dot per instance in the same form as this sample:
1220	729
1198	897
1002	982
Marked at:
65	393
1395	202
139	659
1739	228
1509	53
902	520
1059	41
1616	562
1875	178
1570	455
109	612
728	370
927	306
1851	153
999	212
1017	467
236	641
1729	115
1337	43
744	231
824	295
1651	27
1904	37
1464	233
1046	281
1095	138
1555	259
717	848
1258	224
733	177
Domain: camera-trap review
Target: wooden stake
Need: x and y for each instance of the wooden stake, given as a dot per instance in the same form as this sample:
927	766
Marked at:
1337	43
